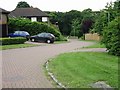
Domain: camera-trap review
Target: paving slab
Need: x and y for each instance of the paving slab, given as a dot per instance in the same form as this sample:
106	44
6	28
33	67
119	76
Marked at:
23	68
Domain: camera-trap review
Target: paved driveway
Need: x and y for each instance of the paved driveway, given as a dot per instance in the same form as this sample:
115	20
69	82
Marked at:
23	68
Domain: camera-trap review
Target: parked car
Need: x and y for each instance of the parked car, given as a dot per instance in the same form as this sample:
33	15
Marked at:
43	37
20	34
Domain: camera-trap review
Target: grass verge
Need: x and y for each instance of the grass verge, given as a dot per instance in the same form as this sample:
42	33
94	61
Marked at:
96	44
5	47
78	71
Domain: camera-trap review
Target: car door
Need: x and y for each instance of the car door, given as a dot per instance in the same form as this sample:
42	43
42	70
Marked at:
40	37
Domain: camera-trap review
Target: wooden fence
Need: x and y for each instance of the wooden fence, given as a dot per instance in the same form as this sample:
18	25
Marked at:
94	36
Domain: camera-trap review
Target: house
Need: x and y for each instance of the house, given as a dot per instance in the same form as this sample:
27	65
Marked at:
34	14
3	22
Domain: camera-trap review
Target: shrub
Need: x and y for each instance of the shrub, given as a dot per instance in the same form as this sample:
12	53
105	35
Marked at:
9	41
111	37
33	28
61	38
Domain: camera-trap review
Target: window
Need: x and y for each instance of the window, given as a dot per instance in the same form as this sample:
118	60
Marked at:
41	35
44	19
33	19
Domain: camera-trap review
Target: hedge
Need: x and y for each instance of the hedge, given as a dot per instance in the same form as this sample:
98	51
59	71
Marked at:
111	37
33	28
9	41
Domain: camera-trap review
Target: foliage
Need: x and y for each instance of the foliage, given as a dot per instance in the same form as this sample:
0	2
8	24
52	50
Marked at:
107	24
106	16
111	37
81	69
22	4
9	41
75	27
61	38
100	22
32	27
87	21
65	20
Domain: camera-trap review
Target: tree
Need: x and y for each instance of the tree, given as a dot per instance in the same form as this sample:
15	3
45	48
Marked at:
65	20
116	7
75	28
22	4
68	19
100	22
107	15
111	37
87	20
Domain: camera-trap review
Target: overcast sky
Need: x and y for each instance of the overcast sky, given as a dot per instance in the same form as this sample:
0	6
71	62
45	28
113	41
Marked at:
58	5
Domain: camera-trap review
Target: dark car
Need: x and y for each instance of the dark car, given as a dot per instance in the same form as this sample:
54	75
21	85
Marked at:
43	37
20	34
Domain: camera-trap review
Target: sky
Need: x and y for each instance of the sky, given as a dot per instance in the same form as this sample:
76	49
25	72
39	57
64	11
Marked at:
58	5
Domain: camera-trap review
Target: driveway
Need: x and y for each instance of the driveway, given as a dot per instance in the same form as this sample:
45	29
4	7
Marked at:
23	68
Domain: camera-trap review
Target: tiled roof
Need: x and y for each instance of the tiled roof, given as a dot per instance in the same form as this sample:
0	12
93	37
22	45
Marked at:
18	12
4	11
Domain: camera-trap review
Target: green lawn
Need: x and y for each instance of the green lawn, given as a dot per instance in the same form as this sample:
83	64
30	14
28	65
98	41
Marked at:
80	69
96	45
4	47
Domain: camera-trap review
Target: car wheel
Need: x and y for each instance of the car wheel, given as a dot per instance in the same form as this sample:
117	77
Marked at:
32	39
48	41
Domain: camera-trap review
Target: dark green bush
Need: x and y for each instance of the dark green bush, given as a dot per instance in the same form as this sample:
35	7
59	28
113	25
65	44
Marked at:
111	37
9	41
33	28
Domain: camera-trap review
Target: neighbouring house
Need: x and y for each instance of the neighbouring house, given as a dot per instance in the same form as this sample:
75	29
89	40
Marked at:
3	22
34	14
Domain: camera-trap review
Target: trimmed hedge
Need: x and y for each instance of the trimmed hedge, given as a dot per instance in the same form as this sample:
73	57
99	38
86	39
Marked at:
33	28
111	37
9	41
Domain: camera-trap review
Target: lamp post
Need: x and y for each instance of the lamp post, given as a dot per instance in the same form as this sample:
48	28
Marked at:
108	16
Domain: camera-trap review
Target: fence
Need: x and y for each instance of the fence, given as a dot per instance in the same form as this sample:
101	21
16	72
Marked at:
94	36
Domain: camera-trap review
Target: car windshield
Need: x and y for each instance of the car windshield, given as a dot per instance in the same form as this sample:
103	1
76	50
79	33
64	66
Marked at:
52	35
21	32
26	33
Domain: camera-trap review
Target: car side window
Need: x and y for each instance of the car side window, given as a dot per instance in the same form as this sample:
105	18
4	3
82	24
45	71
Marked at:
46	35
26	33
41	35
21	33
16	33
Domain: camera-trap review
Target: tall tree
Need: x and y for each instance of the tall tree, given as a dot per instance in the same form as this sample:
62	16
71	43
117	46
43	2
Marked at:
65	20
75	27
87	20
22	4
117	7
107	15
100	22
68	19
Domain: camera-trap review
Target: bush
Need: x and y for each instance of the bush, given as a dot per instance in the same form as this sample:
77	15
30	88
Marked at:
9	41
33	28
61	38
111	37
